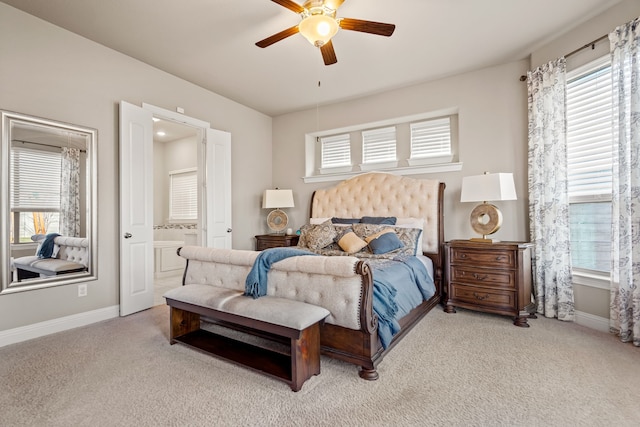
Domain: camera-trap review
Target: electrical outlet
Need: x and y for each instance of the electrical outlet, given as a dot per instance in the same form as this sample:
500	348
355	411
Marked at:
82	290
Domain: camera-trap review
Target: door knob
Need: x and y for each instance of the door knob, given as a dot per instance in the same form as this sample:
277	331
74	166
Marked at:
229	230
127	235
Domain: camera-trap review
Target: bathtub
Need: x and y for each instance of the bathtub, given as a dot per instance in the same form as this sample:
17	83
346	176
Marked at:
165	259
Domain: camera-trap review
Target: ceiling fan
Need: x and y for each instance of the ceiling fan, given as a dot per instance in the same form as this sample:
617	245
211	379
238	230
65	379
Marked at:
319	24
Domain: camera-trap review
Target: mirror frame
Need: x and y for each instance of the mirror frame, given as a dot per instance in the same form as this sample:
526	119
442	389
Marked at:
8	118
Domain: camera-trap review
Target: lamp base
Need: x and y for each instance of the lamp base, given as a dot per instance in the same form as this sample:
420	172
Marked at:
483	240
277	221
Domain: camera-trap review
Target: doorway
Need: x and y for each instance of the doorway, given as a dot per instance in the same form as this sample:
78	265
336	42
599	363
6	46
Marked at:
213	176
176	210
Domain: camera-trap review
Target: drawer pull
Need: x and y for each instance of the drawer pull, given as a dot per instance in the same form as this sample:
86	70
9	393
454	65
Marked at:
480	276
480	297
501	257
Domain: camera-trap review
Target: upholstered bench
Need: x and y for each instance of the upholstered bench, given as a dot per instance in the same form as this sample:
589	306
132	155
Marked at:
269	317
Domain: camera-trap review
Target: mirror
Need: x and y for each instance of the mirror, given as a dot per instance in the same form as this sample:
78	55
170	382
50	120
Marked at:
48	205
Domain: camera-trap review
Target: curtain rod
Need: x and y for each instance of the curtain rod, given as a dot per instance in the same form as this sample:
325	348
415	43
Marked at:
591	44
44	145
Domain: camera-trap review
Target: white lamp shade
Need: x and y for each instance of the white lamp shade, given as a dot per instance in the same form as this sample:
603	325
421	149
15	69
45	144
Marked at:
488	187
318	29
275	199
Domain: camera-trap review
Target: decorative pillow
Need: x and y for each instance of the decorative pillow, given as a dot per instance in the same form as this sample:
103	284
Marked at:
319	236
388	220
410	237
341	230
336	220
385	242
378	234
351	243
413	223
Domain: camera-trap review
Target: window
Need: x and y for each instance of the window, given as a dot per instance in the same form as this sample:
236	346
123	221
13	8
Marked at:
379	145
183	195
415	144
431	139
35	192
336	151
589	154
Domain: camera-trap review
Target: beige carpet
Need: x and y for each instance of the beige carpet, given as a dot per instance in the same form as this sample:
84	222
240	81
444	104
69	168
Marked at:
464	369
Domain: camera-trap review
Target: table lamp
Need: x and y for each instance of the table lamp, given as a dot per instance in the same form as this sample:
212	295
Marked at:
486	218
277	199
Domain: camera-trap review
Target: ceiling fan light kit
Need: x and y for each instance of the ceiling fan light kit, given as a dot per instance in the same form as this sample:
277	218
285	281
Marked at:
319	24
318	29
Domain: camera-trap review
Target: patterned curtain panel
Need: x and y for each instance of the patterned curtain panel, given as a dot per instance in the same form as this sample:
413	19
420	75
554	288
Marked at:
70	193
548	191
625	266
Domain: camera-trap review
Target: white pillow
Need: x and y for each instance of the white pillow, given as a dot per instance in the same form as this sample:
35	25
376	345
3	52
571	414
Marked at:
316	221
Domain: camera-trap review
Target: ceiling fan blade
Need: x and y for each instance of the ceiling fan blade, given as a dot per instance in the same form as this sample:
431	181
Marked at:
371	27
328	54
277	37
333	4
291	5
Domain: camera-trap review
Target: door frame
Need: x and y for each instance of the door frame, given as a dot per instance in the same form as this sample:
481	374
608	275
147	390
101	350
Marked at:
202	127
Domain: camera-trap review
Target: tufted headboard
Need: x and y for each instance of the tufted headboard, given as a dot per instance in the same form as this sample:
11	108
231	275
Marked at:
385	194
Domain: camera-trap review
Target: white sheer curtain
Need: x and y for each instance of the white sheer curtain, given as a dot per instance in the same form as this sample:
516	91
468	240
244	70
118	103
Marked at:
548	190
70	192
625	277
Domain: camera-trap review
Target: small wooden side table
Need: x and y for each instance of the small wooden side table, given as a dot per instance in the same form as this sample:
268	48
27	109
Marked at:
266	241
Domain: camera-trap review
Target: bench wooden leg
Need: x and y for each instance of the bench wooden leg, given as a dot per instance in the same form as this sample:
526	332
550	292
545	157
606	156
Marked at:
182	323
305	356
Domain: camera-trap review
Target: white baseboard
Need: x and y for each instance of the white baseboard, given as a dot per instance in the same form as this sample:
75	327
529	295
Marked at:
591	321
36	330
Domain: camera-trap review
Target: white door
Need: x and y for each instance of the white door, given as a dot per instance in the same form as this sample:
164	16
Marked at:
136	209
217	189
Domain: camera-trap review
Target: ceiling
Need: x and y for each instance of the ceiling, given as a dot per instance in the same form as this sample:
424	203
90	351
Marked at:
212	42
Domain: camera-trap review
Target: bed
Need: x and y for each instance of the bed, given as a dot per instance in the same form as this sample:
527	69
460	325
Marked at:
382	195
345	283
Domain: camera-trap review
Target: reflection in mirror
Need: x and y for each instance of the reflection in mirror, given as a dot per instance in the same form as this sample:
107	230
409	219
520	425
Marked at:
48	203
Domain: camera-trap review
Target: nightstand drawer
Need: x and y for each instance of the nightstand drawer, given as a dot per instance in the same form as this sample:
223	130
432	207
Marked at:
493	258
267	241
487	297
487	277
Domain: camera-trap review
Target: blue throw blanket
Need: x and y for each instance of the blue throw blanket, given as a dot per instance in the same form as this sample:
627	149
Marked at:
399	285
256	282
46	249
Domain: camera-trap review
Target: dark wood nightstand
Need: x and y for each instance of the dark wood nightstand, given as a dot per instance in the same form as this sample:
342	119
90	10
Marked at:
266	241
490	277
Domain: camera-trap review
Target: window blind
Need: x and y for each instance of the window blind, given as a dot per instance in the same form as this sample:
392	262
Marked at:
379	145
336	150
431	138
589	111
183	195
35	180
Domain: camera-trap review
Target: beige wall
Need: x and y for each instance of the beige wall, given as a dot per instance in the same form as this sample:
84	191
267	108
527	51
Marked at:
49	72
492	106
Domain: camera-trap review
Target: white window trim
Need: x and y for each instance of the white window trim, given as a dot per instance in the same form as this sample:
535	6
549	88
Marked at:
437	168
581	276
424	166
592	279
